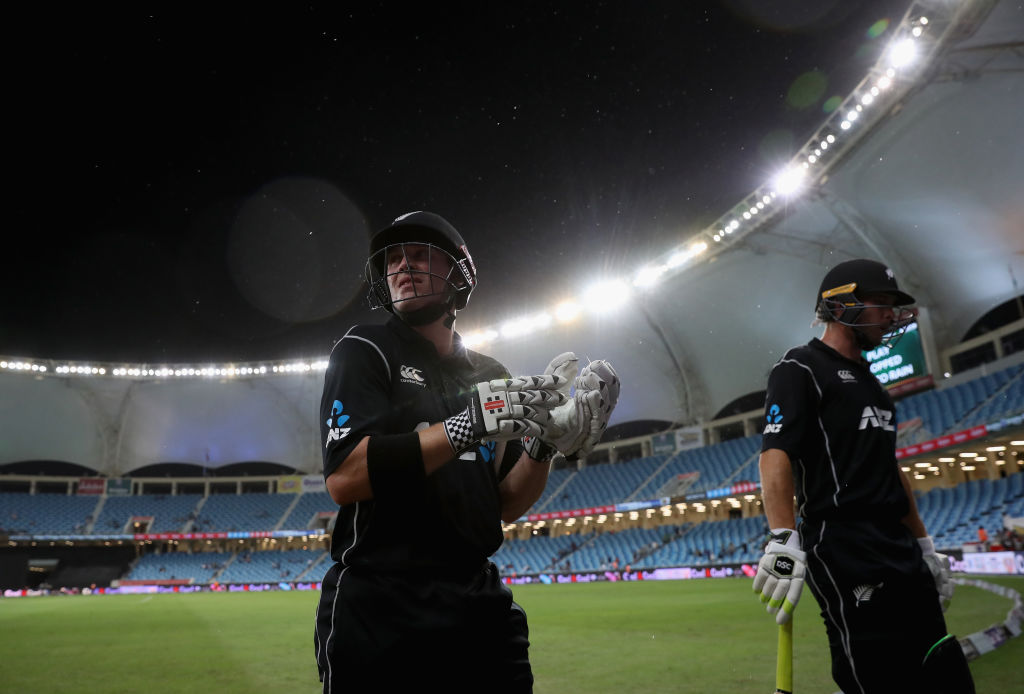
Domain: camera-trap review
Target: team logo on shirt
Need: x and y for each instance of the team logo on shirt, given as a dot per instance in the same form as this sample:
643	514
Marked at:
411	374
486	451
846	375
875	417
774	418
335	430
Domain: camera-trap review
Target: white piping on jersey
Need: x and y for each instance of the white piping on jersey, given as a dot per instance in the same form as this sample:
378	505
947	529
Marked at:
844	628
821	425
337	589
387	367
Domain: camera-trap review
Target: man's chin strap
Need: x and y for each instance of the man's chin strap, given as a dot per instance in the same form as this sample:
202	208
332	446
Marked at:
862	340
428	314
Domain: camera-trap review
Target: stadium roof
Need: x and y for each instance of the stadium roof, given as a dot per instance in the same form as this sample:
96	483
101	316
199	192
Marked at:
933	188
928	180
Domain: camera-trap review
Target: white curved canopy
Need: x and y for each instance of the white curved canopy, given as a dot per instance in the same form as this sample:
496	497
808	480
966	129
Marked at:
933	188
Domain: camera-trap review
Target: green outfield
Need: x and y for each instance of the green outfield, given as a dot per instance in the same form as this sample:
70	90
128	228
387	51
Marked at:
692	636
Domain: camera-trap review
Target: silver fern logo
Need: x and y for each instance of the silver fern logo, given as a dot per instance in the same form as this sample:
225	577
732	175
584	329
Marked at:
863	593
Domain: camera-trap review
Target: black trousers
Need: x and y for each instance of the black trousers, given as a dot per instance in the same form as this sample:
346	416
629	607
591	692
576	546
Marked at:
387	632
878	601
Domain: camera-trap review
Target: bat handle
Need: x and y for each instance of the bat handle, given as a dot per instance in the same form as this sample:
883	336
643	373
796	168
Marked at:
784	662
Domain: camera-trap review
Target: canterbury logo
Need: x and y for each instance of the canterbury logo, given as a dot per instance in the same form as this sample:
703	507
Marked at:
863	593
877	418
846	375
411	373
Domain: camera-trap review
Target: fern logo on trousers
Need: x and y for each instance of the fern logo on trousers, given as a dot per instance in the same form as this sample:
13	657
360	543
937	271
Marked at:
863	593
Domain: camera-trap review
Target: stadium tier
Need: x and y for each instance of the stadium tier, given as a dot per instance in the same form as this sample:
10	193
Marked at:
45	514
161	513
952	513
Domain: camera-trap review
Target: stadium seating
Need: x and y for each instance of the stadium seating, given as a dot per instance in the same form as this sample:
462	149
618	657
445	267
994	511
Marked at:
953	515
201	567
242	512
304	514
46	514
269	567
716	464
598	485
960	407
170	514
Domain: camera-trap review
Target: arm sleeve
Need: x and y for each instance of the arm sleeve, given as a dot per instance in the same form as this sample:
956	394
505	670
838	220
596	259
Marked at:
355	401
513	451
790	408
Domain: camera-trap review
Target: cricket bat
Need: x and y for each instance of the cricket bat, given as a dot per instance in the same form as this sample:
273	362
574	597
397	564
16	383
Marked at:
784	661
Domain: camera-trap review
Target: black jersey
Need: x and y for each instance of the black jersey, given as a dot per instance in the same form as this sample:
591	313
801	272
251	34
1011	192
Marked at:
837	424
388	379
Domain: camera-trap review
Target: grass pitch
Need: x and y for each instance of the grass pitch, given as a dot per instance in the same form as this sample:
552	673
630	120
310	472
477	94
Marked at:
702	635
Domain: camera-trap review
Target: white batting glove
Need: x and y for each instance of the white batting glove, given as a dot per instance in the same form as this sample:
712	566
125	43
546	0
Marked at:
505	409
780	574
938	564
564	428
576	426
599	386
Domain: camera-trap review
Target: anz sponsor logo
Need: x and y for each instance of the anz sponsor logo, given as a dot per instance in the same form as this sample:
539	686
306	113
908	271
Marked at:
877	418
335	430
485	450
846	376
410	374
774	418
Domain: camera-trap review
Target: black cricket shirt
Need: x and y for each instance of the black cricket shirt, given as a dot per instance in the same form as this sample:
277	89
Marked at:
388	379
838	426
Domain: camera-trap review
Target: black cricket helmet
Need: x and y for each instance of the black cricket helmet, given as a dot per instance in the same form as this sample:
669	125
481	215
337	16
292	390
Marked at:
840	296
425	228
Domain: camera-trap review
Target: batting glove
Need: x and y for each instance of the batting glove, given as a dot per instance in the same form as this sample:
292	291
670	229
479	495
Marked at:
599	384
505	409
938	564
577	426
565	425
780	574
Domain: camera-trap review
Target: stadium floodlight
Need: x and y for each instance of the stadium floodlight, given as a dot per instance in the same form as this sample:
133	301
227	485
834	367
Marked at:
648	276
607	295
515	327
567	311
479	337
790	180
902	53
995	449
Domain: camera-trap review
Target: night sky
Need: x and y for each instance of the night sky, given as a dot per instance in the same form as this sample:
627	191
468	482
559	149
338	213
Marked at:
188	186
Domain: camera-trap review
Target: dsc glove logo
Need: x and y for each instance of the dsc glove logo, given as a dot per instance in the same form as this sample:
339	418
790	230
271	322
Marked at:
784	566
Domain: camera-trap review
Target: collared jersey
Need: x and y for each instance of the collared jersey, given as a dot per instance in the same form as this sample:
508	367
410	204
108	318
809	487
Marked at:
388	379
837	424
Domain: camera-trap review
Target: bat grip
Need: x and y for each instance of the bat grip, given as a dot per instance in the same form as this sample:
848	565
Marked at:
784	662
